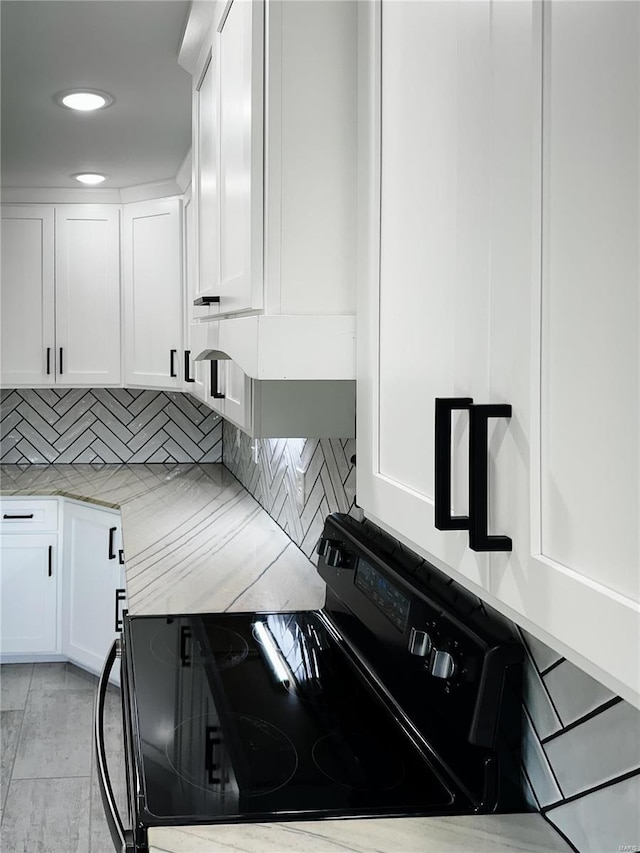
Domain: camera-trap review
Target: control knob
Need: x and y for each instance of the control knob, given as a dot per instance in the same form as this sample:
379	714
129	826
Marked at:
335	556
442	664
419	643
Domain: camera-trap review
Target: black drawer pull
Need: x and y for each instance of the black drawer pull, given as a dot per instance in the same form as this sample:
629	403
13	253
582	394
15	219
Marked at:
50	572
206	300
60	361
112	533
187	358
442	471
215	393
121	556
479	540
172	363
121	596
48	361
185	635
14	517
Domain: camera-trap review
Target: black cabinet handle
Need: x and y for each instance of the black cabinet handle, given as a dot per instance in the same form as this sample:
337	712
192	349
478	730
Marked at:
121	557
187	358
112	533
50	572
206	300
120	596
214	381
185	657
479	540
212	737
61	361
172	363
14	517
48	361
442	471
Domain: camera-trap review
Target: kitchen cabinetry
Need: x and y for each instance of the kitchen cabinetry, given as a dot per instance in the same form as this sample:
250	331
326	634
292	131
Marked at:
153	294
29	579
93	582
274	182
271	408
514	255
61	298
27	281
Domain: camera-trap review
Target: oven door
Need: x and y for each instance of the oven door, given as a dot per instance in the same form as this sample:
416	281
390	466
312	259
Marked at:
123	839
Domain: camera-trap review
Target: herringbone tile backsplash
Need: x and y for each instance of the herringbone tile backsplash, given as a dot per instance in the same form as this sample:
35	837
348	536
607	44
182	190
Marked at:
106	425
326	470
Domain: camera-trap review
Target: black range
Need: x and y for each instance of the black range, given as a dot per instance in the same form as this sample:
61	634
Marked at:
399	697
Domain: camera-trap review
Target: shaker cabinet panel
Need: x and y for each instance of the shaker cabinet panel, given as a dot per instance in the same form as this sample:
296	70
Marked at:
29	571
570	364
27	281
240	63
93	582
88	295
153	294
425	331
500	266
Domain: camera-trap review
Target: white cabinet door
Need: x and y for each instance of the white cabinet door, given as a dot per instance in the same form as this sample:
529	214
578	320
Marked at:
423	331
570	367
29	572
205	107
27	281
88	295
153	294
94	597
239	50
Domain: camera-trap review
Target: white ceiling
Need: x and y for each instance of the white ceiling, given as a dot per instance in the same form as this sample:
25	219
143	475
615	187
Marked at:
128	48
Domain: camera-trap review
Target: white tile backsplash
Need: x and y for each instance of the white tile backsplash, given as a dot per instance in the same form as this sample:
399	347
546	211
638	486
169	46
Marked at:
573	692
601	748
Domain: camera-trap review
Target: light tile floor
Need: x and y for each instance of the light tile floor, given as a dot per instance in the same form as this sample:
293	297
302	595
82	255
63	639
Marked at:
49	795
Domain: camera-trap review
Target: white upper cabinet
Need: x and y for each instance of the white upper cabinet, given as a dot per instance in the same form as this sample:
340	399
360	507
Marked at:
27	281
239	51
88	295
61	297
275	139
500	227
567	346
153	294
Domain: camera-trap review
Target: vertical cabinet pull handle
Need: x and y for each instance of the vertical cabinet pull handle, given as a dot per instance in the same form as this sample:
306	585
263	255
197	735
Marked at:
120	597
48	361
61	371
215	393
121	557
187	358
50	572
479	540
185	635
172	363
442	470
112	533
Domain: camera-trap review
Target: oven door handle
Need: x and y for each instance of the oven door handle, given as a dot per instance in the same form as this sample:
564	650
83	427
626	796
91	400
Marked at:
122	839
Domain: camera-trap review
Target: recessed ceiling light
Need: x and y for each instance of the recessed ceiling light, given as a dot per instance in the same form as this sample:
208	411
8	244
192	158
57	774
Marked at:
84	100
90	177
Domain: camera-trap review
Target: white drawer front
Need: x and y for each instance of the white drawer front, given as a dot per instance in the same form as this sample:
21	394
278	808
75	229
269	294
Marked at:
28	515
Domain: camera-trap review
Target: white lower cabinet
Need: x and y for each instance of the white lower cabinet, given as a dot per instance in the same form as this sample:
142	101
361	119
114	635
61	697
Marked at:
94	593
29	574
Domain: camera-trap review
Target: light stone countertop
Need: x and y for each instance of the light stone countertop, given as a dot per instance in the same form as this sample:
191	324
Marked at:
196	541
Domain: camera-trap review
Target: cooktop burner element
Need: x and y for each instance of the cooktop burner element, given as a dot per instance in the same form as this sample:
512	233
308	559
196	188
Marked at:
357	761
273	758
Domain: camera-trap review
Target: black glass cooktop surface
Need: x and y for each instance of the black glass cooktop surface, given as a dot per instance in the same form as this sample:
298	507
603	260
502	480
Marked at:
244	716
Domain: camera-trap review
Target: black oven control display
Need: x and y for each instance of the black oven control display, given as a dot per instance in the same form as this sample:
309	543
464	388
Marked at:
387	598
